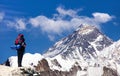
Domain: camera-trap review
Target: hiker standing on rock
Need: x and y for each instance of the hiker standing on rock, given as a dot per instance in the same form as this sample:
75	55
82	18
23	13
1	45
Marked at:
20	47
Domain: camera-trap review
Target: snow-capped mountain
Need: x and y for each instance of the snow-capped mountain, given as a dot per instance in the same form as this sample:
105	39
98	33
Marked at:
86	52
84	43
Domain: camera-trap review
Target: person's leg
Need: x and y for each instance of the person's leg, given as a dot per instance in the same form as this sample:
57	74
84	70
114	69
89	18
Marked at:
19	61
20	56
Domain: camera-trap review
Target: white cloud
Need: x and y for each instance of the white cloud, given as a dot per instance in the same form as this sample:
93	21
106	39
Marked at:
18	24
64	12
102	17
64	20
58	24
1	16
50	26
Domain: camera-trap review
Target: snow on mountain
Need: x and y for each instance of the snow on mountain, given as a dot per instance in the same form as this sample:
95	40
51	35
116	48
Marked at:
111	56
58	63
84	43
111	51
28	60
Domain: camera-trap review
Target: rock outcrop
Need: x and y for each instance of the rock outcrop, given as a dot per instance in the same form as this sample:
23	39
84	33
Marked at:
44	69
109	72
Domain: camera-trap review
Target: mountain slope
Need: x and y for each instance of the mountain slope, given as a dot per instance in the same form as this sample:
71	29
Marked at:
84	43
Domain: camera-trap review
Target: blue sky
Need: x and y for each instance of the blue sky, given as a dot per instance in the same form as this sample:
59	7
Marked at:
43	22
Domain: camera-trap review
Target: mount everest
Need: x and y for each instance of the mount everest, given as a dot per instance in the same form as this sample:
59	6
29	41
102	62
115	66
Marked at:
83	44
86	52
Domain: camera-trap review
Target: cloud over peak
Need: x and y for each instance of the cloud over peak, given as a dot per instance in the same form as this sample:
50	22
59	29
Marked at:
49	25
61	22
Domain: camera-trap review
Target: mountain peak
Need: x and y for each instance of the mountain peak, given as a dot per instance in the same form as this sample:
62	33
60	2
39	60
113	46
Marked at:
85	29
83	44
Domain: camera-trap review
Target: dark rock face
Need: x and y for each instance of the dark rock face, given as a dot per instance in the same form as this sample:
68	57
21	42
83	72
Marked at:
44	70
55	62
42	66
109	72
7	63
72	72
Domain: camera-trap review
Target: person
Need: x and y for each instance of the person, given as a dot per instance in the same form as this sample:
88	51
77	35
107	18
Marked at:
20	41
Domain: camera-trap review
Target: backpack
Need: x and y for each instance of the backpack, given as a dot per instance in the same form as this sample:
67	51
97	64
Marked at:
18	40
